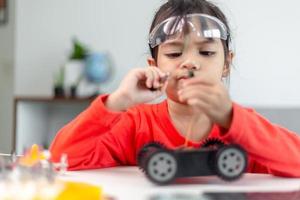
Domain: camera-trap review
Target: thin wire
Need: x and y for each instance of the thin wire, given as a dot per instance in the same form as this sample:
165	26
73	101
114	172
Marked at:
189	132
193	121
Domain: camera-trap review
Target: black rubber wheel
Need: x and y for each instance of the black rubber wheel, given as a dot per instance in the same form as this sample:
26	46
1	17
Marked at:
146	151
230	162
161	167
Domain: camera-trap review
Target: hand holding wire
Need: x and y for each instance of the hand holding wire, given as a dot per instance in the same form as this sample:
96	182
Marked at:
140	85
208	95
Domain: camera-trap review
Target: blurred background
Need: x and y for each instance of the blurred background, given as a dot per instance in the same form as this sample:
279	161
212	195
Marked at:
48	47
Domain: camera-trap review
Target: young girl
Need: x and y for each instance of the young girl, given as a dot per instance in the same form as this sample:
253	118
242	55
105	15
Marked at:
190	46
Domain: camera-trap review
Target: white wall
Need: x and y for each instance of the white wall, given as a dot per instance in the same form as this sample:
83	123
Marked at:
267	42
6	80
45	29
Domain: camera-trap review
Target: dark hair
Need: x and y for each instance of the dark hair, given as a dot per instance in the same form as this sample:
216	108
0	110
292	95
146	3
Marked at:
185	7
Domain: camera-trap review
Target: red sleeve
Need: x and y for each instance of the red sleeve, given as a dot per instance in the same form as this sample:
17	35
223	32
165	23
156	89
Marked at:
272	149
96	138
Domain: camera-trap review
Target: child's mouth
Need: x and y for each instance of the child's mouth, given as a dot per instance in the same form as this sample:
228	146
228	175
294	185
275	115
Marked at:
185	75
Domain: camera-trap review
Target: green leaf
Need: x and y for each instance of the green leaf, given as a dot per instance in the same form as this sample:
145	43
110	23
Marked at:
79	51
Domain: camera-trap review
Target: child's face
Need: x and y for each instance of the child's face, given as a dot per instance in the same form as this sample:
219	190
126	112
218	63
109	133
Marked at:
179	55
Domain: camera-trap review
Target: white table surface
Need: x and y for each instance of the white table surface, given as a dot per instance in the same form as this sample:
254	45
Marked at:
130	183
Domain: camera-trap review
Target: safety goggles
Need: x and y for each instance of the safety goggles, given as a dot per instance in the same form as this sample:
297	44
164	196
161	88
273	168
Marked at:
203	25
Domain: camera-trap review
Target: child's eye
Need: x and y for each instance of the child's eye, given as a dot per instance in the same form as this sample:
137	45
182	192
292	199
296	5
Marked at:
173	55
207	53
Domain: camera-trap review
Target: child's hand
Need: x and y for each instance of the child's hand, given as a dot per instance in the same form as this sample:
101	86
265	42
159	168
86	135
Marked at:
139	86
211	97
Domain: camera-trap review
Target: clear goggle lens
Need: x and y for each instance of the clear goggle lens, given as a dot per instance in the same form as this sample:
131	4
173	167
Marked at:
203	25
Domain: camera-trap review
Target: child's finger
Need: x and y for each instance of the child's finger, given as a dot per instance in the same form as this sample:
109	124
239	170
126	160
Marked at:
163	76
207	89
159	78
149	78
156	80
200	78
200	104
161	73
203	92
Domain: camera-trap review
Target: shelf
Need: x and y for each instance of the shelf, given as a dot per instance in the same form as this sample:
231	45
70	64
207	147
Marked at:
37	119
51	99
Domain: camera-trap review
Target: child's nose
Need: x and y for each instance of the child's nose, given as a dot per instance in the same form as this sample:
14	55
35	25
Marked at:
190	65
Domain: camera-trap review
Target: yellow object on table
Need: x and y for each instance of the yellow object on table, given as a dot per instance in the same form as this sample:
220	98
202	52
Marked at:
79	191
33	177
33	156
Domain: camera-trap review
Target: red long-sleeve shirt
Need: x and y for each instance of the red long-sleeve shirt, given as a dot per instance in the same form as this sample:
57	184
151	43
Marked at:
100	138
